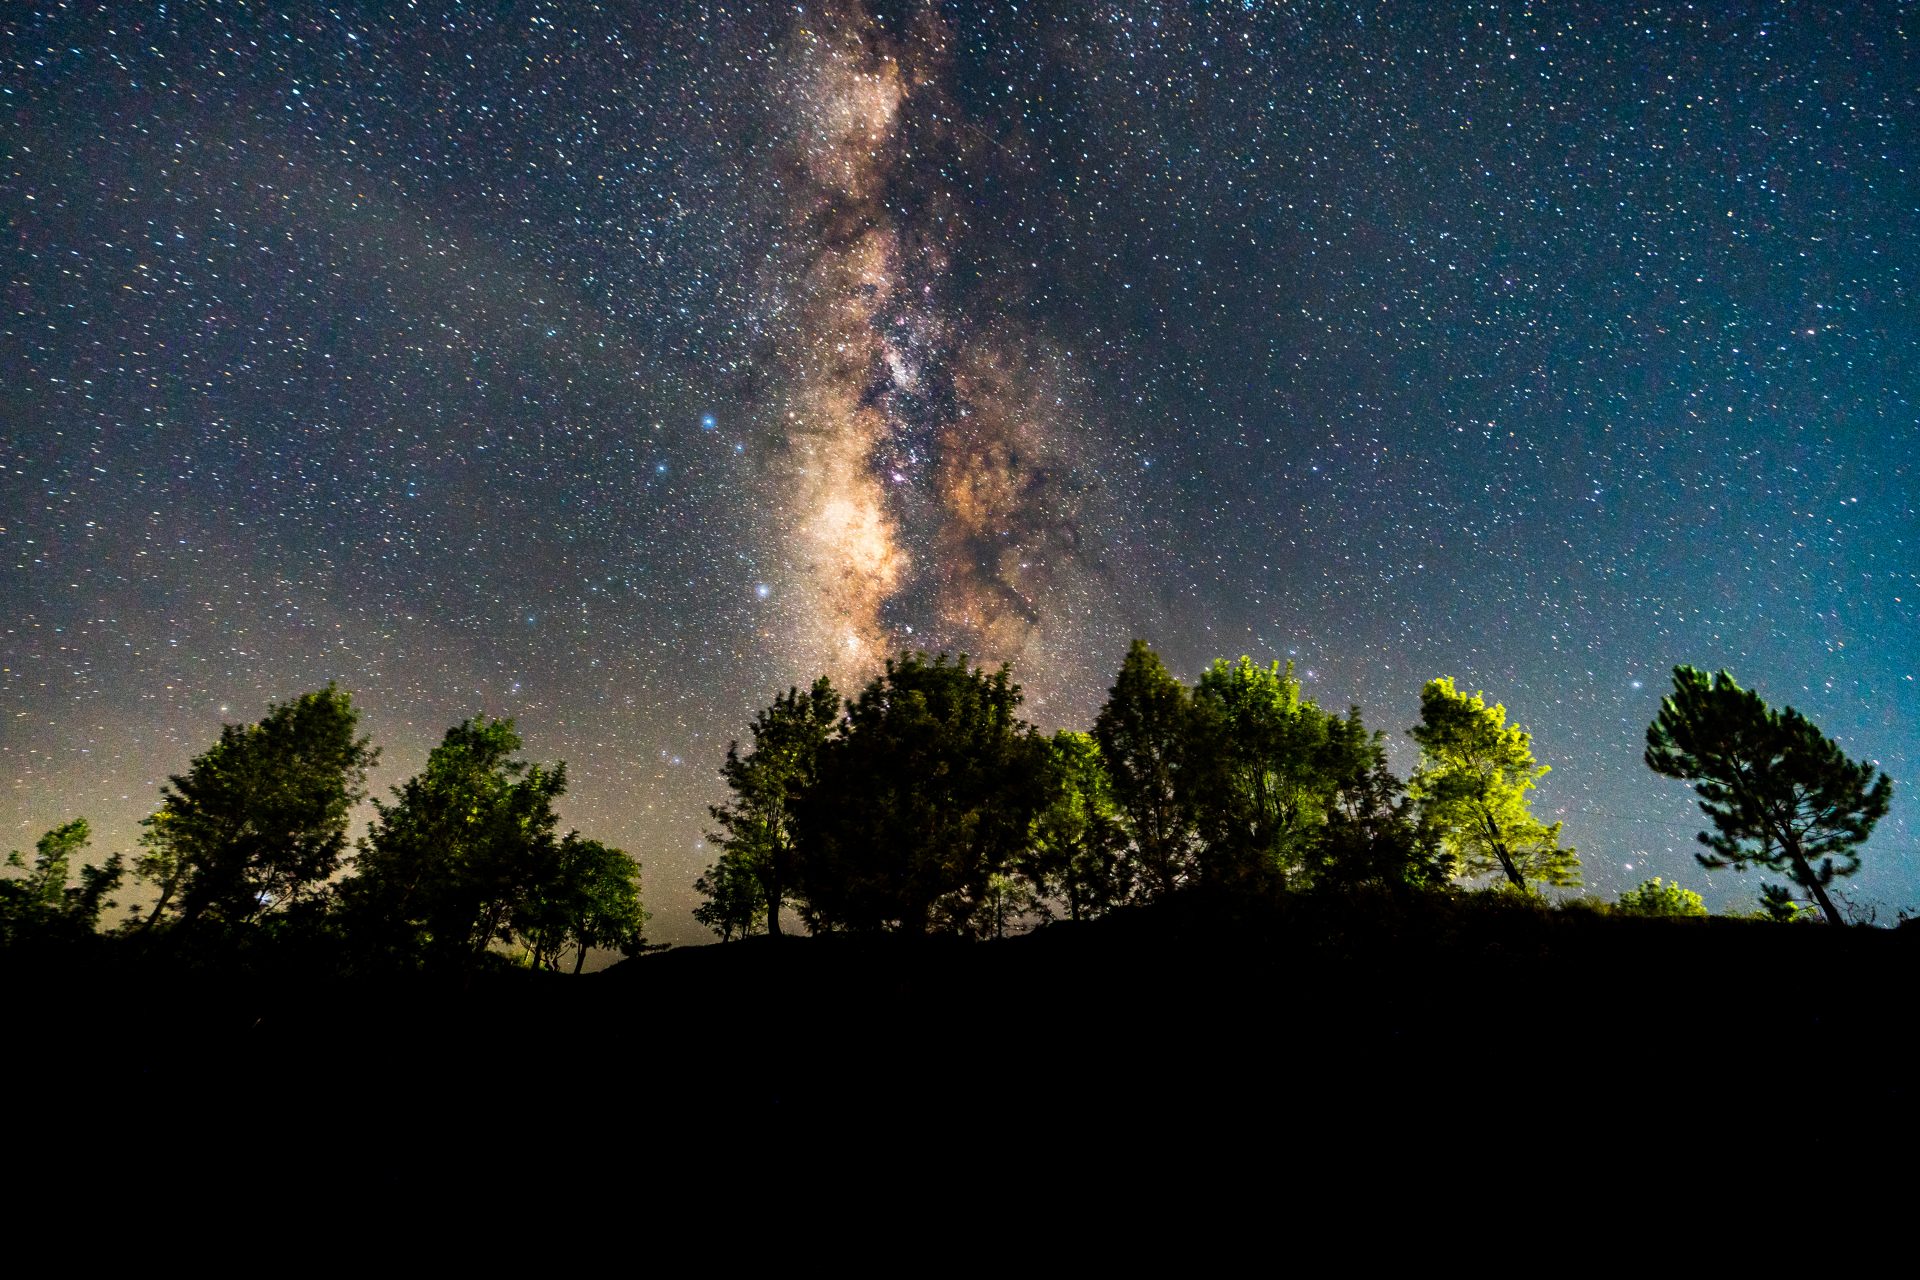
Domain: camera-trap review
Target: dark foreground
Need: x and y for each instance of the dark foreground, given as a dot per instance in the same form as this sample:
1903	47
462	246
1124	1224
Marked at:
1165	1048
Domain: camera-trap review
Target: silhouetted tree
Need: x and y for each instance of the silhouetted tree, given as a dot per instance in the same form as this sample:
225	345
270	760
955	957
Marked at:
40	905
1778	905
1078	852
258	823
1007	900
1373	834
927	790
736	901
1472	783
588	898
462	845
756	826
1657	898
1780	794
1143	733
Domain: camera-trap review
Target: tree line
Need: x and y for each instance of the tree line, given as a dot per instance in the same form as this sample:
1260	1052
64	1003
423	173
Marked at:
249	847
923	803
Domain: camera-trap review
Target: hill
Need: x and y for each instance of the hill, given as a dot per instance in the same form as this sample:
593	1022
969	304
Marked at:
1173	1037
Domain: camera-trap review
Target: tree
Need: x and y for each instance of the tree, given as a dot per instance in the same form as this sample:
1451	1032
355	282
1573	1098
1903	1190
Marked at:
1142	732
756	827
927	790
1262	769
1656	898
1777	905
736	901
463	845
41	905
1472	783
589	897
1780	794
1373	834
258	823
1077	854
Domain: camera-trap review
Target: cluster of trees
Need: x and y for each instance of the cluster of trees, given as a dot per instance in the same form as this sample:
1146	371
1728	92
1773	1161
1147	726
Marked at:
924	803
251	843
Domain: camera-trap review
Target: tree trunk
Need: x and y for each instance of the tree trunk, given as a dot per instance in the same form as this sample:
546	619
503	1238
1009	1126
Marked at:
1500	852
1811	883
579	959
153	917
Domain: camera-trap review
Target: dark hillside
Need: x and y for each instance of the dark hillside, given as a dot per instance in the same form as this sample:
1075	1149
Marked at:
1159	1039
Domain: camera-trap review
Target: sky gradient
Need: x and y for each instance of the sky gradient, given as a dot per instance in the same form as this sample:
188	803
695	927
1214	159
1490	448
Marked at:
614	369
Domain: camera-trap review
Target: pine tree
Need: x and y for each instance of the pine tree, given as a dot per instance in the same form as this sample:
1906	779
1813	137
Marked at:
1472	783
1780	794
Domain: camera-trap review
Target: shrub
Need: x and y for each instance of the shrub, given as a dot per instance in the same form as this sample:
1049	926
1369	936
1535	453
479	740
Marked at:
1657	898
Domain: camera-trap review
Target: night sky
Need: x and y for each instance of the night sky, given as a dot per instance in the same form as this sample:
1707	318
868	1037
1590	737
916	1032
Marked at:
613	369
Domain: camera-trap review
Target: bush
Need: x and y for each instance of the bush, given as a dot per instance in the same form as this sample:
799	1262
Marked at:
1657	898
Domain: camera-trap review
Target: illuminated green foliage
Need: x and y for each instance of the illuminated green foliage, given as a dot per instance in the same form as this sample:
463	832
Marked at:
1777	904
1779	793
1262	772
1472	784
1077	856
1656	898
258	823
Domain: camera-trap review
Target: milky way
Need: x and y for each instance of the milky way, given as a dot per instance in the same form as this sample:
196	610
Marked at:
615	367
934	478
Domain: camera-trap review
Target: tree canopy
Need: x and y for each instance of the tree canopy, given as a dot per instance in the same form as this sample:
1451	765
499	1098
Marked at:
1374	833
1472	784
259	820
925	804
1142	732
460	852
926	791
1779	793
41	905
1656	897
756	836
1077	854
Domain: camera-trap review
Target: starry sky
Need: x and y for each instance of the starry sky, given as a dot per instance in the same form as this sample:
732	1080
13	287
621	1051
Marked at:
612	367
